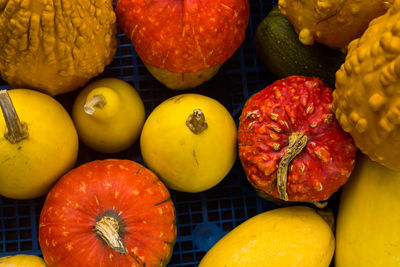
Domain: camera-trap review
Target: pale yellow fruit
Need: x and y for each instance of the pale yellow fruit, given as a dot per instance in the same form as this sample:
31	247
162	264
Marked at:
109	115
182	81
30	166
368	222
292	236
22	260
189	160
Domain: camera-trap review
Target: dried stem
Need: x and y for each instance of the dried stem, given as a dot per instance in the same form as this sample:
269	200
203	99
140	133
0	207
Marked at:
297	142
95	101
108	229
196	122
15	129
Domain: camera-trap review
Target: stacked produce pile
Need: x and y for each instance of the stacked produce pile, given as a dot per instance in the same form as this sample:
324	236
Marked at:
330	121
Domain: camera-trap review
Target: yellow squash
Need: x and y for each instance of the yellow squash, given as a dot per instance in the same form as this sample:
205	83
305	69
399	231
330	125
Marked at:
22	260
367	228
293	236
189	140
38	143
109	115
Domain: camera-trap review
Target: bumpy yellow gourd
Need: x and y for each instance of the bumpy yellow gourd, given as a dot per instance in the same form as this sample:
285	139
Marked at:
22	260
292	236
38	143
55	46
334	23
367	227
367	95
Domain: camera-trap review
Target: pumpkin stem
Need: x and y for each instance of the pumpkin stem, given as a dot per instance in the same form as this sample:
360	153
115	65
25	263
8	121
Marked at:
15	129
297	141
95	101
108	229
196	121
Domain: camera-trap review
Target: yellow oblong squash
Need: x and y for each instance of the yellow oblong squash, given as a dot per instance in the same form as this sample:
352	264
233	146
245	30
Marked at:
22	260
292	236
367	228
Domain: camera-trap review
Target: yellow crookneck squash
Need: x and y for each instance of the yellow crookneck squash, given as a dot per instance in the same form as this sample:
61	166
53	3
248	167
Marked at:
55	46
367	96
367	226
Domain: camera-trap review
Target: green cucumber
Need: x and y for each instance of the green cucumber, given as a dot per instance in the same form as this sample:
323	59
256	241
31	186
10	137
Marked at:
279	49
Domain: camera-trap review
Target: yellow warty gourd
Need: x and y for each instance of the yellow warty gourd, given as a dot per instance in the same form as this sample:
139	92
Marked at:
367	96
334	23
55	46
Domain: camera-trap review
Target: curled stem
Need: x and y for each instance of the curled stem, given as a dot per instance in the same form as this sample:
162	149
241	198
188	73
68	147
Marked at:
95	101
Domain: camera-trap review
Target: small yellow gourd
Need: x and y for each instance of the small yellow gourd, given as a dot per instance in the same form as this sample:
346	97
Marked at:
22	260
189	140
55	46
38	143
293	236
334	23
367	96
109	115
367	227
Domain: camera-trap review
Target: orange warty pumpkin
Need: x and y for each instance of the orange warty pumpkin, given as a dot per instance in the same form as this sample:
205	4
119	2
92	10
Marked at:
108	213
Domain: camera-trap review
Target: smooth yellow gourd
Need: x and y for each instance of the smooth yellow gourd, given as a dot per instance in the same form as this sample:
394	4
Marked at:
367	228
293	236
334	23
55	46
22	260
182	81
109	115
189	140
367	97
36	149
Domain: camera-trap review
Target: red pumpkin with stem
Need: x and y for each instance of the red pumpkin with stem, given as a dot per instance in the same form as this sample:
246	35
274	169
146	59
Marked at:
184	43
290	144
108	213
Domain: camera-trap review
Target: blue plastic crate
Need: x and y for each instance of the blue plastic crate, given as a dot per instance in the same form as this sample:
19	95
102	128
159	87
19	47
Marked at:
202	218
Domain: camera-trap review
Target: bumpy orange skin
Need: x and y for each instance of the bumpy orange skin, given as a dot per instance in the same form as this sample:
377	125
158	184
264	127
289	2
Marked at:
184	36
122	189
367	95
295	104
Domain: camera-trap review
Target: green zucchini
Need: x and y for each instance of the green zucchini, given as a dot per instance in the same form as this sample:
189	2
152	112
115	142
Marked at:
279	49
